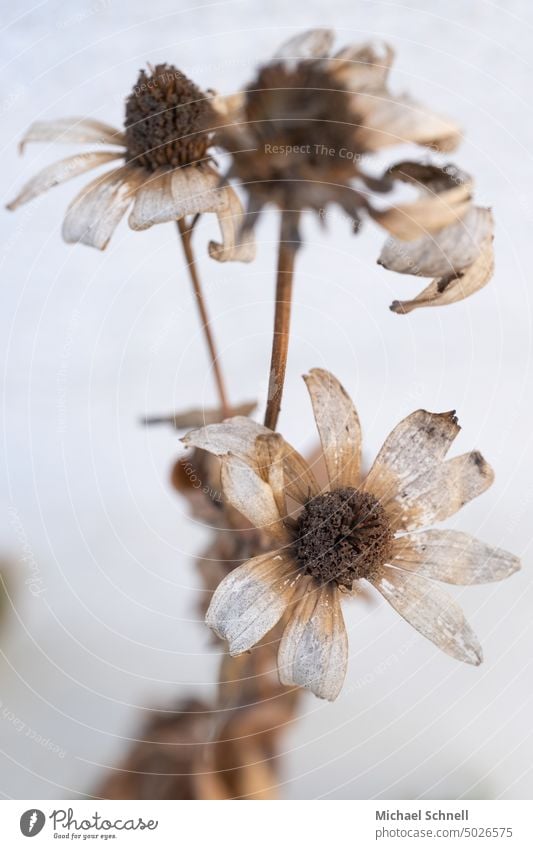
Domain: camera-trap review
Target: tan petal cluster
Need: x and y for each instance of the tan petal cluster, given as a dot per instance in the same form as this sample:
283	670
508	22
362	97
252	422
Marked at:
415	485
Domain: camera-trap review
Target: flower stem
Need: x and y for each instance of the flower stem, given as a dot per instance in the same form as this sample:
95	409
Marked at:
288	245
186	233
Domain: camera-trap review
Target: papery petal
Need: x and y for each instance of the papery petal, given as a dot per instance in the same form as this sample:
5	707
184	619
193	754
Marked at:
269	451
70	130
387	120
238	436
439	491
60	172
171	195
238	243
313	652
362	67
445	198
310	44
443	254
252	599
338	426
430	610
453	557
95	212
253	497
455	287
417	444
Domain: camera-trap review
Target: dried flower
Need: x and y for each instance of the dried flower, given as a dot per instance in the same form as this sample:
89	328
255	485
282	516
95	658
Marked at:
300	136
166	172
351	531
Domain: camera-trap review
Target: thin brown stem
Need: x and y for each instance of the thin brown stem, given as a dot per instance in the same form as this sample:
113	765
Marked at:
288	245
186	233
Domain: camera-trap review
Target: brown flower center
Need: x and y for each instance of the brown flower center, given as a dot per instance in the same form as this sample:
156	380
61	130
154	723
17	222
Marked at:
167	120
343	536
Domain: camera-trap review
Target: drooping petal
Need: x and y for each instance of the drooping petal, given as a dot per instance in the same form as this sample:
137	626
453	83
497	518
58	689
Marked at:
439	491
95	212
444	199
362	67
171	195
387	120
453	557
417	444
338	426
443	254
238	243
238	436
253	497
455	287
70	130
311	44
313	652
60	172
430	610
252	599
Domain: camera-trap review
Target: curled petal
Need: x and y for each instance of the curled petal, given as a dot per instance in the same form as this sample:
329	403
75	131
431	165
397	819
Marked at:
253	497
238	436
454	287
311	44
445	198
237	240
444	254
338	425
313	652
430	610
252	599
417	444
439	491
69	130
171	195
362	67
95	212
452	557
387	120
61	171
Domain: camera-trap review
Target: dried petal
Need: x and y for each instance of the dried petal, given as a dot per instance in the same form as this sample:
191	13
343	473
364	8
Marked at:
445	198
95	212
439	491
252	599
171	195
452	557
416	445
455	287
60	172
338	425
313	652
251	496
362	67
69	130
310	44
238	436
237	240
388	120
431	611
269	450
443	254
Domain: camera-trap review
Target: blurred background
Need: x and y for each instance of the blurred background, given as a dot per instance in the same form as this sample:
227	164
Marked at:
98	611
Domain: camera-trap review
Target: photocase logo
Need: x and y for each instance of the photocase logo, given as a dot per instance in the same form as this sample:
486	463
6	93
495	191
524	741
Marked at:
32	822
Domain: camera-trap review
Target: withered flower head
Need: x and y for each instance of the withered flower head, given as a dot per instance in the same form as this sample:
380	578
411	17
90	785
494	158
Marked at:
165	170
374	530
302	135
